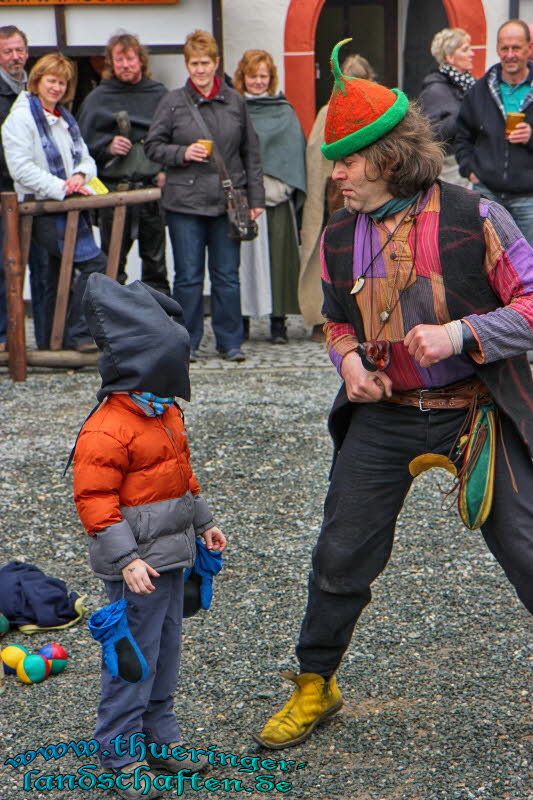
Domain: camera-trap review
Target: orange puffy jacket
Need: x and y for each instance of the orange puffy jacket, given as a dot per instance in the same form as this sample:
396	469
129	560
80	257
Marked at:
134	488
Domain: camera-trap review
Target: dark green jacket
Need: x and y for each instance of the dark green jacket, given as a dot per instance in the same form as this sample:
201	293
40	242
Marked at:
196	187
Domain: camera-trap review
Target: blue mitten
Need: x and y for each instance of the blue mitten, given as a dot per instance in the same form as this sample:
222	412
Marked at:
109	626
206	564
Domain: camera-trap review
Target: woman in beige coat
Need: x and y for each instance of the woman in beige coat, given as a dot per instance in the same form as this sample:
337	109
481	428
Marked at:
322	199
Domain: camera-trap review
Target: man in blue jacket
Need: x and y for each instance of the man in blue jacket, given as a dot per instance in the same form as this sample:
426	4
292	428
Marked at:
500	165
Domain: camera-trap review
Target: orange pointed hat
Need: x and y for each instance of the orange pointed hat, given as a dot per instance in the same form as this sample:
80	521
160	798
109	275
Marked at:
359	112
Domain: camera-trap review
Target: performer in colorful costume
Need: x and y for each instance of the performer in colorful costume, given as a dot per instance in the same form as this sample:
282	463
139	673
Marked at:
427	297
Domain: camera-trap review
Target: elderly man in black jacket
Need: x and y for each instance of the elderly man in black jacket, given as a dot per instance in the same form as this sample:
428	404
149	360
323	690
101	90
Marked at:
13	57
500	164
114	120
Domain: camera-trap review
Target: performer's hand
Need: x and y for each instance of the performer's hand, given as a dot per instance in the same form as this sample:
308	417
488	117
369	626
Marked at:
161	178
428	344
363	386
473	178
137	576
120	146
521	134
214	539
256	212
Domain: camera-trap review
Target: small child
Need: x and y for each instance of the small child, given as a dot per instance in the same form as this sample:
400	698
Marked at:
140	503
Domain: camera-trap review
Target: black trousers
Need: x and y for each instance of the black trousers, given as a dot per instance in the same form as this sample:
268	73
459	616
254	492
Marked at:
369	484
146	223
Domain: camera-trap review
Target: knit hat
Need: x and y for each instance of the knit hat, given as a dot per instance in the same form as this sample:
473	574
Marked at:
359	113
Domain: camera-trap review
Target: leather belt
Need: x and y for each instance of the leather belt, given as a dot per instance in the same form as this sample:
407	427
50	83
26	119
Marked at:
457	395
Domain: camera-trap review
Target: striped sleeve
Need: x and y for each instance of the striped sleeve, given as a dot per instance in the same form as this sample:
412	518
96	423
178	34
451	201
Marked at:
507	331
340	335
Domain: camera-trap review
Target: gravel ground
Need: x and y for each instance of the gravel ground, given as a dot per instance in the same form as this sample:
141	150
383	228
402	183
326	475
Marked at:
436	679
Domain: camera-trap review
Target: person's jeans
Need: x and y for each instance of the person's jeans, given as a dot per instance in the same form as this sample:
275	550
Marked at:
38	264
76	328
127	708
190	234
519	206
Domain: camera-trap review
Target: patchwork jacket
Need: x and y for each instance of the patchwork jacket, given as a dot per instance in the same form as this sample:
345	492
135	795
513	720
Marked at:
461	246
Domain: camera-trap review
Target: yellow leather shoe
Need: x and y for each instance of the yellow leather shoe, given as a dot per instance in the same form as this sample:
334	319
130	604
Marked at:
313	701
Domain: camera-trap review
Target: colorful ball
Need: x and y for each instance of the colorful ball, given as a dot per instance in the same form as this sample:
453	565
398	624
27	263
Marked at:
56	656
11	655
32	669
4	624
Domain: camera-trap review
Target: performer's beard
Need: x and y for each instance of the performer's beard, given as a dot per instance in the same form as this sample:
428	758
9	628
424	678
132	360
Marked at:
348	207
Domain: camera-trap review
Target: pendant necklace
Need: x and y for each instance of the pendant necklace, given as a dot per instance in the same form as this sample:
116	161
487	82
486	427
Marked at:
360	281
387	311
385	314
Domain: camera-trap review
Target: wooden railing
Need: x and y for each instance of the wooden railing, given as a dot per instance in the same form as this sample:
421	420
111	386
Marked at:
17	221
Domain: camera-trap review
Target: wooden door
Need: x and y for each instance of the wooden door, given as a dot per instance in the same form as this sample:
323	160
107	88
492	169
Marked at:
373	27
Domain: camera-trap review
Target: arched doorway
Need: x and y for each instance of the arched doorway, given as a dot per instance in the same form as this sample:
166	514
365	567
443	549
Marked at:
300	31
373	27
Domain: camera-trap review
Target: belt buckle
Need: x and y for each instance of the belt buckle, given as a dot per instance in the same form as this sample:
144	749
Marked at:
421	400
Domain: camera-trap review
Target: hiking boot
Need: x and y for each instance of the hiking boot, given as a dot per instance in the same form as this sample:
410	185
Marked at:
172	765
313	701
145	781
278	330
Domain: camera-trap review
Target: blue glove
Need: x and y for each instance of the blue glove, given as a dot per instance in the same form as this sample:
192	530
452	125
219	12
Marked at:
109	626
206	564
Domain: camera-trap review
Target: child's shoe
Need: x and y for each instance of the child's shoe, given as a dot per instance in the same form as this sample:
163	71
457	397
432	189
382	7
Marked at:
145	779
173	765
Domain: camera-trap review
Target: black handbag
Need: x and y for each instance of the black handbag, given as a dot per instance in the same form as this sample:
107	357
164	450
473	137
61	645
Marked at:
241	226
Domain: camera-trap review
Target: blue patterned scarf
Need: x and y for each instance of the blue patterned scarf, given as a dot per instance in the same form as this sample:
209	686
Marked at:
85	245
147	400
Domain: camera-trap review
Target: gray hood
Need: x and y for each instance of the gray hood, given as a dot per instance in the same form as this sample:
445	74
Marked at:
144	345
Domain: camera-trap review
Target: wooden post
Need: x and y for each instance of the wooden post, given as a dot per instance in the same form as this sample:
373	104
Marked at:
26	224
16	335
117	234
65	277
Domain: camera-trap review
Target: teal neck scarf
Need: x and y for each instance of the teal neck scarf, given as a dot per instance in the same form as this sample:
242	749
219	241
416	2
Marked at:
393	205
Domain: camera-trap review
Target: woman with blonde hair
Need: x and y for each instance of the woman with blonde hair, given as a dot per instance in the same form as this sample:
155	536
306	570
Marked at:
443	91
47	157
269	265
